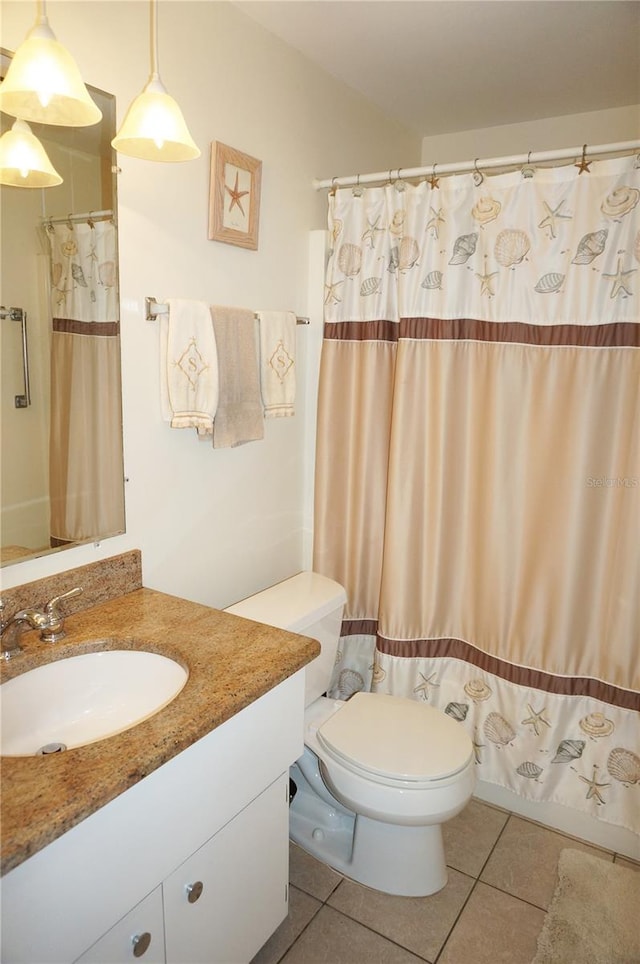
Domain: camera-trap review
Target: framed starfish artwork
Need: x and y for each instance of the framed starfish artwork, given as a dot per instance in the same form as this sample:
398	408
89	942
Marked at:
234	196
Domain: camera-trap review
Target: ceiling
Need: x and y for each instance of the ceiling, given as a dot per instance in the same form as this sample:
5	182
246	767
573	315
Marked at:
438	66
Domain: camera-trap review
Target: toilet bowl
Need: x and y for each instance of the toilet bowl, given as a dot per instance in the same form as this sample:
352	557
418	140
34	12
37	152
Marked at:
379	774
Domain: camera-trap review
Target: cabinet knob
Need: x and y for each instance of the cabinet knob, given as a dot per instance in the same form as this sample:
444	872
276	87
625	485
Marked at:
141	943
194	891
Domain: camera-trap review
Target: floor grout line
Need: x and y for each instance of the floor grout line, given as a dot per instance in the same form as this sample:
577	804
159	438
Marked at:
476	881
454	925
497	841
384	937
508	893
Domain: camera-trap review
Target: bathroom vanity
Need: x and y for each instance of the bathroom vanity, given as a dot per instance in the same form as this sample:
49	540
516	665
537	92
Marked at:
169	841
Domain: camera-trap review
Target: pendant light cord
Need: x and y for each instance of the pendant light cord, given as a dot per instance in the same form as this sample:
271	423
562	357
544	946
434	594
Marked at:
153	15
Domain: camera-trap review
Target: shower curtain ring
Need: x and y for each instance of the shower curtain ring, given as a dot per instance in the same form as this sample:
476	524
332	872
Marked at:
583	165
400	185
333	186
357	191
528	169
434	181
478	176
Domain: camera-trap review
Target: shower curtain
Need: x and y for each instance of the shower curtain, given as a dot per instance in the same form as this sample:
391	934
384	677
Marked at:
478	467
86	482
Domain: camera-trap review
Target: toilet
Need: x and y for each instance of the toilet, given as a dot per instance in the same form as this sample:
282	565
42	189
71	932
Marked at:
379	774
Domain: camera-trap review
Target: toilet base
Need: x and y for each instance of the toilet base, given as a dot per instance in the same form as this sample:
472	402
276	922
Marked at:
400	860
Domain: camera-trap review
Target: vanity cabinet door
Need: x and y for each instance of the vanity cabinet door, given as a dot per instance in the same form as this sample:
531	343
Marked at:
137	937
226	900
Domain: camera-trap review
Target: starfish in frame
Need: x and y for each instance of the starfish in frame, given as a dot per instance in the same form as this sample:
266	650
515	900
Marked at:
235	195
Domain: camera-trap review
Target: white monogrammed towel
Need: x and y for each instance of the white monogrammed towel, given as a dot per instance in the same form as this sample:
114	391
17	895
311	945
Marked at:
278	362
188	366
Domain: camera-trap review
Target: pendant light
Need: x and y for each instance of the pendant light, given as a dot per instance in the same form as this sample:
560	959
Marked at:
43	83
23	159
154	128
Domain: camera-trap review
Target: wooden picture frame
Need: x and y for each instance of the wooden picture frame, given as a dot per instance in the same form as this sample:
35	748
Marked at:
234	196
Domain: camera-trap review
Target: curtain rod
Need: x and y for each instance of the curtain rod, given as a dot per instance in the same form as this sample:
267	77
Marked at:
479	164
89	216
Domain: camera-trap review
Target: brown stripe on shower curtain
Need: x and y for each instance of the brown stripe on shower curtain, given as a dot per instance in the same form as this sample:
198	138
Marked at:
380	330
512	672
619	334
104	329
521	675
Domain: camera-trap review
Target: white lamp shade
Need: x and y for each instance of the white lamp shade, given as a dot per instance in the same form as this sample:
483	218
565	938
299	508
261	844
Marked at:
24	161
43	84
154	128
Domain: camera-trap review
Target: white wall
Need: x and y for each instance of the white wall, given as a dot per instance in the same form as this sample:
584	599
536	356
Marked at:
551	133
213	526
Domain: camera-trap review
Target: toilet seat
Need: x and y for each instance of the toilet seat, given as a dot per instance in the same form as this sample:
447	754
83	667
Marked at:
396	741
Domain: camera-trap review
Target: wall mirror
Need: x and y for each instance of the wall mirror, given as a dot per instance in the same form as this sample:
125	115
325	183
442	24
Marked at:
62	479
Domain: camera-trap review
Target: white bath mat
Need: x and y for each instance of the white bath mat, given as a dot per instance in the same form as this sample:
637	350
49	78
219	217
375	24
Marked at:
594	915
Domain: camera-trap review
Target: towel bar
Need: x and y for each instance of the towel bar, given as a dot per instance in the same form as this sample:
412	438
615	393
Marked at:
153	308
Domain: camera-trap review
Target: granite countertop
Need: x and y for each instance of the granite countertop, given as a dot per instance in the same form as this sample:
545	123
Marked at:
231	662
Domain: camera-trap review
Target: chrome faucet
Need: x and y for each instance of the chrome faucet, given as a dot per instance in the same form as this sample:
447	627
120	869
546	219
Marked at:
50	622
10	632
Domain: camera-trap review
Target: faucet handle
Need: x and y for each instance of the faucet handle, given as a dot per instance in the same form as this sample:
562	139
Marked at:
52	605
54	629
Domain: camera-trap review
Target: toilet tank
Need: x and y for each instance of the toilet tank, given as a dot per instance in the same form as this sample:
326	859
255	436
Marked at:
309	604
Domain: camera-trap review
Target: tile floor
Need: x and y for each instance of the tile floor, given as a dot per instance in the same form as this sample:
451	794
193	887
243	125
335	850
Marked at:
502	875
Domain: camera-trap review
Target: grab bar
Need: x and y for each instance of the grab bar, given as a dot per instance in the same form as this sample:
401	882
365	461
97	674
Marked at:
19	314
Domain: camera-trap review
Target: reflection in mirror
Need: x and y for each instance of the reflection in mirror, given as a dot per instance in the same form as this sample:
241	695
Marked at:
62	469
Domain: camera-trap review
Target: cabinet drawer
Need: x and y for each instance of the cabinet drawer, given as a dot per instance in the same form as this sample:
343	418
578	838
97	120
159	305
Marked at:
137	937
223	903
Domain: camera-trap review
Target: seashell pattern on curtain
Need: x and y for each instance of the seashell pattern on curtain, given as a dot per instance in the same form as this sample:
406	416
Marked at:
478	467
432	251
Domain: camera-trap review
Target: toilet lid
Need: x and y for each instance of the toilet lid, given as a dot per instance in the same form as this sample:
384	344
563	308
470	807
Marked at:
397	738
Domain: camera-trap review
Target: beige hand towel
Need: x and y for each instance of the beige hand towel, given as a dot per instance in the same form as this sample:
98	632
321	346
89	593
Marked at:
239	417
278	362
188	366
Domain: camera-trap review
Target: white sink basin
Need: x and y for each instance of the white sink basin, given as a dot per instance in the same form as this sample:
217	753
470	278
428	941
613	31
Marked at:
85	698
